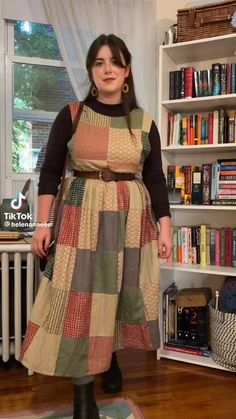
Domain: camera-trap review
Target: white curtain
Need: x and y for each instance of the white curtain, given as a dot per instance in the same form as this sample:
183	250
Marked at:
78	22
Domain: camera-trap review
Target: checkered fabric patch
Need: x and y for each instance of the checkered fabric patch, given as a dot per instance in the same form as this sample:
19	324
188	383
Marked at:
32	329
70	226
148	231
135	336
77	316
122	196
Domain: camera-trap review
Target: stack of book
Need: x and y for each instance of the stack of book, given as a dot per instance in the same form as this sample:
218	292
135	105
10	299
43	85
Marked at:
185	326
204	245
226	187
211	184
216	127
187	82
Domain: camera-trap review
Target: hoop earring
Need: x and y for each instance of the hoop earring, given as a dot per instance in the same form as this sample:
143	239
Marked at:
125	88
94	91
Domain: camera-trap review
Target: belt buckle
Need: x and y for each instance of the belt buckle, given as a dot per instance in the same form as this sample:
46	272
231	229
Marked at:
107	175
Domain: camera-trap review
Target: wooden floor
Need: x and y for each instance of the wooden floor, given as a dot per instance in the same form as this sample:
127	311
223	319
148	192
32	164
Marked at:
162	389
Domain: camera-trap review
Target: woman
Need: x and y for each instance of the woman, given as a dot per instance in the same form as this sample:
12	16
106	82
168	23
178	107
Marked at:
99	292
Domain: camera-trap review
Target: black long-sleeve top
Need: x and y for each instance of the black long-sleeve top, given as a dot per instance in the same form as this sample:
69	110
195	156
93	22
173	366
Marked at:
60	134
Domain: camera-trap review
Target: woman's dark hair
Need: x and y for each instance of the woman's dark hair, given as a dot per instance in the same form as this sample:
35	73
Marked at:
117	47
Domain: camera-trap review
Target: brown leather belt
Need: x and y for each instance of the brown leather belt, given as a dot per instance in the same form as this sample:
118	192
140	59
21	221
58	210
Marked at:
106	175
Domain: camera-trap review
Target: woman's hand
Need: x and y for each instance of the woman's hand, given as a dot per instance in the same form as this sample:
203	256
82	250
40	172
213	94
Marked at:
43	234
41	241
165	243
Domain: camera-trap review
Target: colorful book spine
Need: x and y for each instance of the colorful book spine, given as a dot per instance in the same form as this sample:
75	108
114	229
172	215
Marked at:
223	77
234	247
188	82
190	351
212	246
222	247
228	247
217	247
216	79
197	187
172	85
203	260
206	184
185	250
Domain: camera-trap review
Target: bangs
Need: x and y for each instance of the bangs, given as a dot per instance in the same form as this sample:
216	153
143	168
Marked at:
116	53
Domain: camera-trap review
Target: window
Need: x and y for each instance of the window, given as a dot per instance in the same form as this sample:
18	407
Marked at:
39	87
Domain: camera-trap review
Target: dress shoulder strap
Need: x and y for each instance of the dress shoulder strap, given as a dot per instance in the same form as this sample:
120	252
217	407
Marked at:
76	109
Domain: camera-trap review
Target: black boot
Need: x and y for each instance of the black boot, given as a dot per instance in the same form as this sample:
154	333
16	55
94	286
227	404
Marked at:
112	378
85	406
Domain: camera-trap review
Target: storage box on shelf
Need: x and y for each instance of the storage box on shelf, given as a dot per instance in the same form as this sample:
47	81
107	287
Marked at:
200	54
205	21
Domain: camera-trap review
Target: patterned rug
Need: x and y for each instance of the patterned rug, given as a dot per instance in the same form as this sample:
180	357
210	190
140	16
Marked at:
117	408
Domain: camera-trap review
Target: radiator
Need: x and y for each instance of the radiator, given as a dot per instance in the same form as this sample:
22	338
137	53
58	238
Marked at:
13	255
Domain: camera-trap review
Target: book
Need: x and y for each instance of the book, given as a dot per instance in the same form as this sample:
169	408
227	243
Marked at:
197	187
172	85
182	82
221	126
206	184
217	247
205	82
165	300
187	170
223	75
196	77
228	78
222	246
187	350
212	246
223	202
179	181
228	247
188	82
203	255
216	79
177	85
234	247
210	127
233	78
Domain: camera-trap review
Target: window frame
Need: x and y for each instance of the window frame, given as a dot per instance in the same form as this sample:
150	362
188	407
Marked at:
11	113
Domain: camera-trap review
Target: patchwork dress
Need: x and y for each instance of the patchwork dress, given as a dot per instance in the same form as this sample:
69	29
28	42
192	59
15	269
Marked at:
100	287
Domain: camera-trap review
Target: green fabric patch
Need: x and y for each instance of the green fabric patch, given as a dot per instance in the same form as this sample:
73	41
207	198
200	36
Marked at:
146	147
111	236
136	120
131	267
48	271
82	271
72	360
131	307
75	193
105	267
122	217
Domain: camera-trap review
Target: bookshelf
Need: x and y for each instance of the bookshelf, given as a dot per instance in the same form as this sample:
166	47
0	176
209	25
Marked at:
200	54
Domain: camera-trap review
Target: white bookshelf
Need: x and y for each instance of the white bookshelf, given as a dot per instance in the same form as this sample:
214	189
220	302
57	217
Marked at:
207	103
203	207
200	54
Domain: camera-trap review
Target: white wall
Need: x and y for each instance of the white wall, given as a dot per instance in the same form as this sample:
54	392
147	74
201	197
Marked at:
167	15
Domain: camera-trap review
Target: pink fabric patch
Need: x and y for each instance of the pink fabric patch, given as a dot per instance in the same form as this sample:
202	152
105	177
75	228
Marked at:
77	316
32	329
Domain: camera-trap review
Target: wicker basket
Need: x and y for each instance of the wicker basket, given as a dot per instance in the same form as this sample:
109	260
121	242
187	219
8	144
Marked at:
223	337
205	22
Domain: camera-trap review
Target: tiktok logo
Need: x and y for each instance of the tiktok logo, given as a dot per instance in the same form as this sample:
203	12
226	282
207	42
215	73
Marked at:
16	203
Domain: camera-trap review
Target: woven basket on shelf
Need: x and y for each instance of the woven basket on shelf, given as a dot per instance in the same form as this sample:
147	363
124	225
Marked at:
223	337
206	21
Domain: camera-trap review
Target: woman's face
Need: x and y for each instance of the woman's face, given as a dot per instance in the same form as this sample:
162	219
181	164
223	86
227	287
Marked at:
108	76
